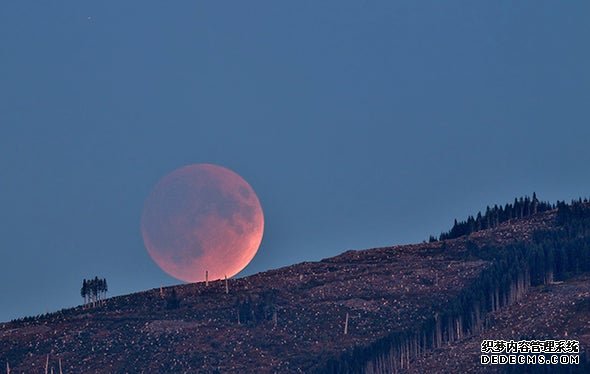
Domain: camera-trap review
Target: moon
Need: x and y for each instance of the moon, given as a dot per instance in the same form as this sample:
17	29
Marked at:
202	218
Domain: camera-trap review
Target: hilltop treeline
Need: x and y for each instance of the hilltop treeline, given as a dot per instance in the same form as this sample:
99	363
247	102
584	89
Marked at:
493	216
556	254
94	290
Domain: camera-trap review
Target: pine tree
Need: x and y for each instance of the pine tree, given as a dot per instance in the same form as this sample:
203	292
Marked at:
84	290
94	290
173	301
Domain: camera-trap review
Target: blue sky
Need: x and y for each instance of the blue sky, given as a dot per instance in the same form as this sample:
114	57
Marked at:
358	124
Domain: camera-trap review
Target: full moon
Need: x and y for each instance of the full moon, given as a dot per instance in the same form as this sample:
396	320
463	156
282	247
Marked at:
202	218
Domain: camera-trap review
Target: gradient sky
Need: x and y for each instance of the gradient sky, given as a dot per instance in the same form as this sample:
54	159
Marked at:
358	123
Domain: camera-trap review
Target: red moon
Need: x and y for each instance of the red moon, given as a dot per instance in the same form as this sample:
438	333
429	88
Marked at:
200	218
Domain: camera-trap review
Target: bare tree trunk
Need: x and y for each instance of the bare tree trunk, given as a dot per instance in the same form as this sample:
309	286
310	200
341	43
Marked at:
226	285
346	325
47	364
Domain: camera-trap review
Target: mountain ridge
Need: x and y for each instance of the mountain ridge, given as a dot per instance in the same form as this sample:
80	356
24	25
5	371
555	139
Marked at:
355	312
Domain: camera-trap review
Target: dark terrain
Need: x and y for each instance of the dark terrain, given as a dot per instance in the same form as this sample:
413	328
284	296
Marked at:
418	308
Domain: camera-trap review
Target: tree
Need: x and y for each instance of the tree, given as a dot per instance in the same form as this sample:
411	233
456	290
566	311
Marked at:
493	217
94	290
84	291
173	302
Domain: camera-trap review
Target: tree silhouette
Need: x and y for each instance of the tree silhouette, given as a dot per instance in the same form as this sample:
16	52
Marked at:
494	216
93	290
173	301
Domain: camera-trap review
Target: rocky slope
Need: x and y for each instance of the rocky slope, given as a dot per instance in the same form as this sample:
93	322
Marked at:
377	310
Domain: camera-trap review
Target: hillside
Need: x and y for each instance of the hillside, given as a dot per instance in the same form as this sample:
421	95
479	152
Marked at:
556	311
422	307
